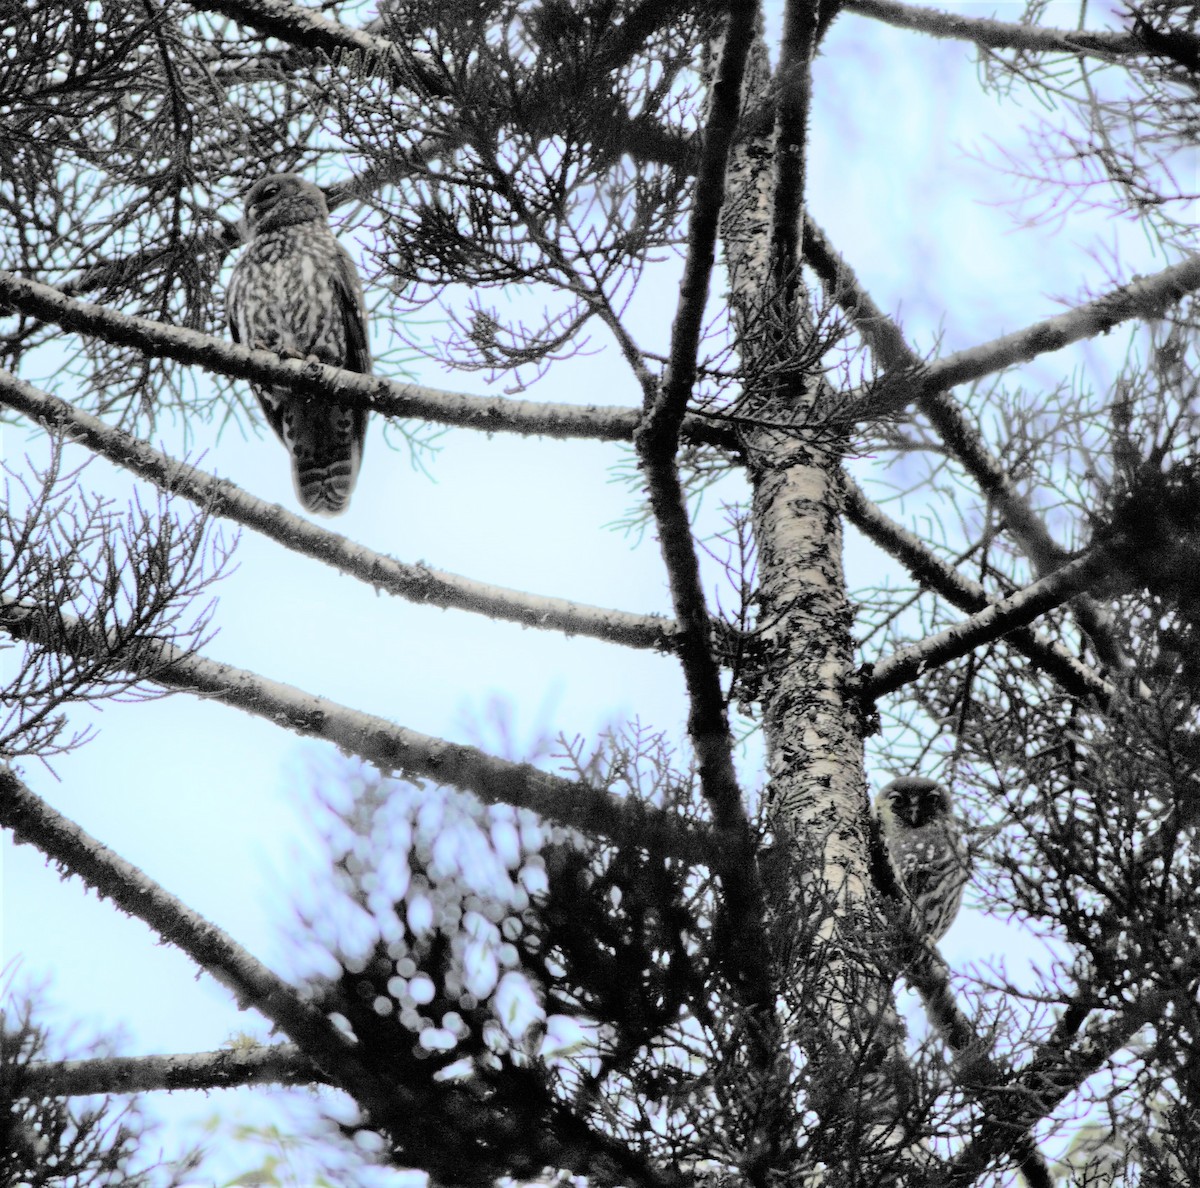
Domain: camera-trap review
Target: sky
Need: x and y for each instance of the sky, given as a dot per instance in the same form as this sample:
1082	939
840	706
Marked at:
215	805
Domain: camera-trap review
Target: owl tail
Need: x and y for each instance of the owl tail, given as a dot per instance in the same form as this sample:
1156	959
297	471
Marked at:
326	444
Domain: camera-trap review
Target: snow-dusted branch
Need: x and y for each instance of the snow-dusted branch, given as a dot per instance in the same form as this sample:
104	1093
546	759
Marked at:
417	583
388	397
989	624
395	749
253	985
960	591
993	34
265	1064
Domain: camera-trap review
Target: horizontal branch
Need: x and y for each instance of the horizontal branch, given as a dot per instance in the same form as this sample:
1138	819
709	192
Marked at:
993	34
309	378
417	583
392	748
989	624
265	1064
931	571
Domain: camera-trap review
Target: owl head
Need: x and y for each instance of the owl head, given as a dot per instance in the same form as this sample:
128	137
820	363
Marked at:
283	200
915	801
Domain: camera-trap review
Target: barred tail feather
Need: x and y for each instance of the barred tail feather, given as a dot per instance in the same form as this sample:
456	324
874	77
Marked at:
326	445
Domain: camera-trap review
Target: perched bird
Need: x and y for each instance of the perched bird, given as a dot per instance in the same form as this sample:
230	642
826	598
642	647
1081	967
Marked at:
918	825
295	291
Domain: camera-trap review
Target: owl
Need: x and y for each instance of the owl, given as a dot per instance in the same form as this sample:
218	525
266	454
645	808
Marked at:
294	290
918	825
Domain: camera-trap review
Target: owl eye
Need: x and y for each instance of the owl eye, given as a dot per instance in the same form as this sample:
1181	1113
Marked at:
271	190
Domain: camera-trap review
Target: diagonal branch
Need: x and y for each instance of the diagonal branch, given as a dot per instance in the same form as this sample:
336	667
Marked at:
930	570
993	34
989	624
417	583
392	748
1147	297
1018	1102
389	1102
309	29
908	378
252	983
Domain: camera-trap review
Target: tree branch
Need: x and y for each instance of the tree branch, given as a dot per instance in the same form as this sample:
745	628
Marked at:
909	378
1021	1100
931	571
657	443
394	749
1146	297
262	1064
993	34
489	414
253	985
417	583
388	1102
989	624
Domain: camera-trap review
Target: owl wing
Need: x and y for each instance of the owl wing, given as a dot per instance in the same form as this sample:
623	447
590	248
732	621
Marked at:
348	295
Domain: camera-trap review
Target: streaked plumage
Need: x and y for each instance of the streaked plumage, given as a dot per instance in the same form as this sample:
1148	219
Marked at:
295	290
918	824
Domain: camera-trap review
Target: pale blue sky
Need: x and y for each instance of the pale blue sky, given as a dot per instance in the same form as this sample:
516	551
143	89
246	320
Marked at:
208	801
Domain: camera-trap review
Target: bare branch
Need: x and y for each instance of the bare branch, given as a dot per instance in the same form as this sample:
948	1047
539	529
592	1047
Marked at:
930	570
994	621
910	379
1147	297
395	749
417	583
993	34
266	1064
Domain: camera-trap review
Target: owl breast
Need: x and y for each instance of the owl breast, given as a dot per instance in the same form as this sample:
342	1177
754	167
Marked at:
285	299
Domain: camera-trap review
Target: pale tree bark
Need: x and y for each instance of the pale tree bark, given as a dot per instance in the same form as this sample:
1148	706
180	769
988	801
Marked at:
816	792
